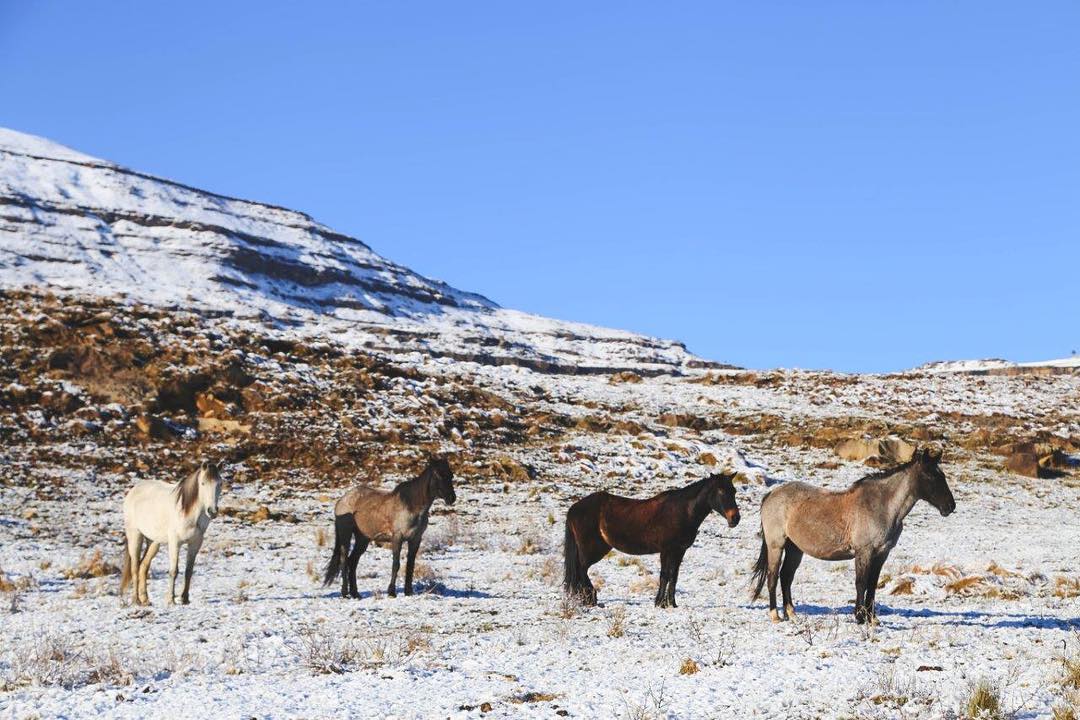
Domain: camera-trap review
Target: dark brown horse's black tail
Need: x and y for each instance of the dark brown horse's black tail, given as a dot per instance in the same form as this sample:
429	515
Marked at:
342	535
761	569
571	560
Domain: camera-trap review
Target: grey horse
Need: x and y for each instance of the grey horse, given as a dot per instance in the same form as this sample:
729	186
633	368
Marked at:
862	522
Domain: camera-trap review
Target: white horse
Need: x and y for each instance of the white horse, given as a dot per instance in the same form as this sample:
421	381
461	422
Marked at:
158	512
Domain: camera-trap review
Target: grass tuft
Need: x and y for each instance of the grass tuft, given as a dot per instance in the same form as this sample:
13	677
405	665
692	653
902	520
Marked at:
983	702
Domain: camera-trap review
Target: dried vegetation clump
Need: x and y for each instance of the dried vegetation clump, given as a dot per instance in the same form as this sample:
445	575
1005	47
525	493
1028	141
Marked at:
91	565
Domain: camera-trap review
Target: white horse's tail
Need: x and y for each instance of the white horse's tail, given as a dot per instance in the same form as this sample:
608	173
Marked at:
125	568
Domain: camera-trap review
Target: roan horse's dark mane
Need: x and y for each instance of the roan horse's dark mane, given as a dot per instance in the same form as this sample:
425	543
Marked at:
410	490
884	473
187	492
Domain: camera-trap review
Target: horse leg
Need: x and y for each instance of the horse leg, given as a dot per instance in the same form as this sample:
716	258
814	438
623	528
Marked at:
673	561
862	573
661	590
350	568
144	571
792	557
872	576
410	560
395	550
134	551
174	566
775	556
189	566
593	551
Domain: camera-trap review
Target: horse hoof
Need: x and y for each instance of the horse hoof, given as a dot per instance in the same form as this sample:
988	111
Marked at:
354	596
790	611
775	616
185	601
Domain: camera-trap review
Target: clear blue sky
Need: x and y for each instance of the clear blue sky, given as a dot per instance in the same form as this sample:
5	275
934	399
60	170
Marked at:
861	186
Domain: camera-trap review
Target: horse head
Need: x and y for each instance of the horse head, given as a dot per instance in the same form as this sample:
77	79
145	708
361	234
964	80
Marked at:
722	497
932	484
441	478
209	486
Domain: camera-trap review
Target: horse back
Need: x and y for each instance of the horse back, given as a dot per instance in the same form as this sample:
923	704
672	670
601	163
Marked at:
817	520
641	527
379	514
151	507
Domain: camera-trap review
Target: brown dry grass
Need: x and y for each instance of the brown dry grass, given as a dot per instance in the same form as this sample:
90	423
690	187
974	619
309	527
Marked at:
950	571
964	583
617	622
983	702
631	561
533	697
529	546
689	667
647	584
1066	587
1063	712
903	586
91	566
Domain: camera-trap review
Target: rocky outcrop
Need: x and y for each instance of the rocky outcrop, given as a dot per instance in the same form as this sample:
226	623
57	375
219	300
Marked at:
876	452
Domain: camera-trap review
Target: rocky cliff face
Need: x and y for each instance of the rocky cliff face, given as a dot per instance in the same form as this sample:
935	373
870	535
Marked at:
78	225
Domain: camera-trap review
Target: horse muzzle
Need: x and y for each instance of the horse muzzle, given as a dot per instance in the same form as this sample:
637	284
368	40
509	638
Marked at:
733	517
211	513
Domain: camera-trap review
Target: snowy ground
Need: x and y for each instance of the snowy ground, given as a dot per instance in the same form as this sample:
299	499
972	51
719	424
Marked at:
492	638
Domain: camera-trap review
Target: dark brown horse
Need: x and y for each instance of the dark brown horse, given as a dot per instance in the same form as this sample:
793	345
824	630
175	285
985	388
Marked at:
666	523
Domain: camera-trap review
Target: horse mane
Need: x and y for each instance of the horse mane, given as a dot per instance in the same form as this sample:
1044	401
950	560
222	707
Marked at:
409	489
884	473
691	489
187	492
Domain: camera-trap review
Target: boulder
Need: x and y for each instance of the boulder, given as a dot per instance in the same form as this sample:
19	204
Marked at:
210	406
226	427
154	428
876	452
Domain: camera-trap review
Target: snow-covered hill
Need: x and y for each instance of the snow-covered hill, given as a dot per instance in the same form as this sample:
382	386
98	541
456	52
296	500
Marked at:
997	366
76	224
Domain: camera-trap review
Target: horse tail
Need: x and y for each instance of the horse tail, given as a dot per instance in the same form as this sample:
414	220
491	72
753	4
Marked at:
125	568
761	567
342	533
571	558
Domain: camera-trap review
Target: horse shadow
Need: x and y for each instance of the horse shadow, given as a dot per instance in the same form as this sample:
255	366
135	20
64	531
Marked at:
440	592
977	618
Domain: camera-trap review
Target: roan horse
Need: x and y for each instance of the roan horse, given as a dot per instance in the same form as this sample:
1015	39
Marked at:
862	522
666	523
394	516
157	512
